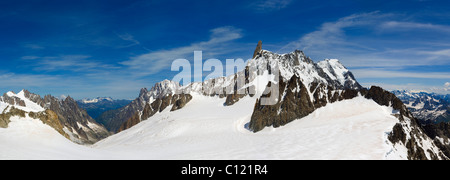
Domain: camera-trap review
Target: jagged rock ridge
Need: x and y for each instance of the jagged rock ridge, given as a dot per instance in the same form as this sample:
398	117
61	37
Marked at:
427	107
64	116
160	96
303	86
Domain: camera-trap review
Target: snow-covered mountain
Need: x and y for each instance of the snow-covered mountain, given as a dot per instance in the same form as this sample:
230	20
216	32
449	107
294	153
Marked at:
426	106
304	89
326	78
63	115
95	100
281	106
95	107
161	94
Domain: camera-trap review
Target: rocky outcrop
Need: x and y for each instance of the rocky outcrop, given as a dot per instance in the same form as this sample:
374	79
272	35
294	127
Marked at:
386	98
130	122
295	102
258	49
12	111
180	101
65	116
408	132
114	119
50	118
427	107
34	98
77	120
47	117
12	100
440	133
177	101
162	95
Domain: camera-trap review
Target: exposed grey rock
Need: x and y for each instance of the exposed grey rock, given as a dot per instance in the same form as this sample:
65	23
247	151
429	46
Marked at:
258	49
59	114
427	107
177	101
13	100
407	133
162	95
294	104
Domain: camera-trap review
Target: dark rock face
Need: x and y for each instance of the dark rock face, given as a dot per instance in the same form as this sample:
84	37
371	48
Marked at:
50	118
47	117
294	102
180	101
385	98
258	49
440	133
131	122
233	98
13	100
4	120
397	134
59	115
5	117
427	107
71	115
404	129
114	119
177	101
34	98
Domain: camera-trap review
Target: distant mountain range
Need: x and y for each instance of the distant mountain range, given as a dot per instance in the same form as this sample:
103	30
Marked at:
427	107
65	116
95	107
318	110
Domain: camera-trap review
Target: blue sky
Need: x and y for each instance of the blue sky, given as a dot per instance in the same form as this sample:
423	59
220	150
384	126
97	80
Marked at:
113	48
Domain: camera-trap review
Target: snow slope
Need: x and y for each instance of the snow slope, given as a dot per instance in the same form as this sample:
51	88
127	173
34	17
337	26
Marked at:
29	105
27	138
205	129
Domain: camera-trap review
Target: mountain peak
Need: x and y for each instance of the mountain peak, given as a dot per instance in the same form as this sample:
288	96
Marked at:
258	49
69	99
143	91
164	87
96	100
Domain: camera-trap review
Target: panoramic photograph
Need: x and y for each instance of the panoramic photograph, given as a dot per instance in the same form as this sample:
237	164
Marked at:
224	80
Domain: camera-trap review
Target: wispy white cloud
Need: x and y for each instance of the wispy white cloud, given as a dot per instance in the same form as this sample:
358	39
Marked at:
447	86
337	40
114	85
30	57
34	46
435	54
154	62
333	33
377	73
18	80
407	26
129	38
78	73
409	87
72	63
270	5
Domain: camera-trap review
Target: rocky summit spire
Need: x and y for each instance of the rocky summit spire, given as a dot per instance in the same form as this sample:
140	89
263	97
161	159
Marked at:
258	49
